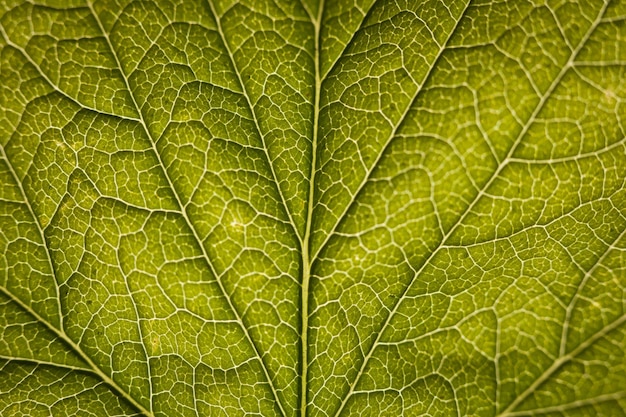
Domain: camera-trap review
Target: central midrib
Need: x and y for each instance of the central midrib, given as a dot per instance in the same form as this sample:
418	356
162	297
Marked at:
306	259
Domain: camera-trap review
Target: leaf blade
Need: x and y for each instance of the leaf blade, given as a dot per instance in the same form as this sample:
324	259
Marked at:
178	190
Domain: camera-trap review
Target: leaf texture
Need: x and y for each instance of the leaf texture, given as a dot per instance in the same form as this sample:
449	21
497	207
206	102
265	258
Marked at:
313	208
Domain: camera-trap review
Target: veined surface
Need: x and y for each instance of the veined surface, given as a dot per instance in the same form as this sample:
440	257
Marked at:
309	208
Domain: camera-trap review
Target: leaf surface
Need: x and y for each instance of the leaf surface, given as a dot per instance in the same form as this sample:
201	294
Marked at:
313	208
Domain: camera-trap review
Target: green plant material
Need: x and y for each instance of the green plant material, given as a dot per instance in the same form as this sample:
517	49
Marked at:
340	208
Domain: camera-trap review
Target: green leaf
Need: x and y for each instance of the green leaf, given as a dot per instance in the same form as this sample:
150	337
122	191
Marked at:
309	208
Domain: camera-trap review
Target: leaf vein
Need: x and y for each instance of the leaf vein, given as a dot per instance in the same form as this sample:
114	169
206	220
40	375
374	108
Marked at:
186	218
393	133
460	220
220	31
53	85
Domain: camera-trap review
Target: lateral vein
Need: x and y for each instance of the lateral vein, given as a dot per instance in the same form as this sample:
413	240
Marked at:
185	217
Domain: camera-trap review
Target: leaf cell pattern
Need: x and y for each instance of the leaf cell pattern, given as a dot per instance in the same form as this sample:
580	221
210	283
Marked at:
314	208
